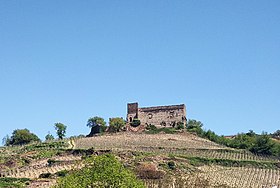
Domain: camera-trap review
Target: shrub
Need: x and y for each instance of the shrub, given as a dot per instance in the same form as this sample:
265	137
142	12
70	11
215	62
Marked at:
116	124
263	145
49	137
180	126
151	127
195	126
51	162
259	144
171	165
100	171
14	182
135	122
45	175
62	173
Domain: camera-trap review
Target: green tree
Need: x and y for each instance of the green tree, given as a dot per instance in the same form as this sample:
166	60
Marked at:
263	145
195	126
101	171
97	121
60	130
6	140
49	136
22	136
276	134
116	124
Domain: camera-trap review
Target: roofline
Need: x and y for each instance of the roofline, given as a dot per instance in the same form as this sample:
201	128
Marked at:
166	107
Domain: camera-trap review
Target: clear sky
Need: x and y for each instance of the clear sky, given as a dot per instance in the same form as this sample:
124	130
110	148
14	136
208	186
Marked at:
66	61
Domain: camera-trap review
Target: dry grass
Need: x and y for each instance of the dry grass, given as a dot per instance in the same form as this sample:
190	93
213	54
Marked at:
149	170
132	141
241	176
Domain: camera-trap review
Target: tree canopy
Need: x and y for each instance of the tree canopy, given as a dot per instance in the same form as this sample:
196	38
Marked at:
20	137
116	124
60	130
260	144
97	125
276	134
94	121
49	136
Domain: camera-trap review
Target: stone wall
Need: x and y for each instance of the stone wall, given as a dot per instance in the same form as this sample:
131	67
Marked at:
158	116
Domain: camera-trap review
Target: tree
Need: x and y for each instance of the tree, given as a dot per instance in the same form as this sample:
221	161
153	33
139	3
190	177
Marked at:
6	140
97	125
60	130
194	126
49	136
21	136
276	134
251	133
116	124
263	145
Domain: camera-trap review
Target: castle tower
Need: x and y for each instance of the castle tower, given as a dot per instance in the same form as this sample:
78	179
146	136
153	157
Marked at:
132	111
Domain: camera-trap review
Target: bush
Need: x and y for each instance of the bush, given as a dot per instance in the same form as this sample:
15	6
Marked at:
151	127
263	145
171	165
135	122
49	137
101	171
45	175
116	124
195	126
62	173
51	162
180	126
22	136
13	182
259	144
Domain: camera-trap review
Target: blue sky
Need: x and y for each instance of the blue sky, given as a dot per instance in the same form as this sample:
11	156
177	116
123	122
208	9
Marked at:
66	61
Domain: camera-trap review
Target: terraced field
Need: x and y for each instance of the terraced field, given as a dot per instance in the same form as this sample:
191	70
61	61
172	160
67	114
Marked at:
197	162
185	144
255	172
41	166
34	160
132	141
241	176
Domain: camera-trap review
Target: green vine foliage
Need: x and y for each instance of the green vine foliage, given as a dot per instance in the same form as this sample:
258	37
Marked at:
101	171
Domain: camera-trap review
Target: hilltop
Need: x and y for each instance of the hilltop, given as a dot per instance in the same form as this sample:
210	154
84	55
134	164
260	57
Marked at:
181	159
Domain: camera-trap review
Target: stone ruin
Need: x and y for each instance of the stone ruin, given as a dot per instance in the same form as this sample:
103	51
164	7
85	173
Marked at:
160	116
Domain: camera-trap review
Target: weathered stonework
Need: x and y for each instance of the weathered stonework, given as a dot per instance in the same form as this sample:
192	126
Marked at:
159	116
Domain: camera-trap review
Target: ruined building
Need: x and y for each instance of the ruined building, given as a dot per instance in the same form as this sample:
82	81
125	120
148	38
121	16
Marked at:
159	116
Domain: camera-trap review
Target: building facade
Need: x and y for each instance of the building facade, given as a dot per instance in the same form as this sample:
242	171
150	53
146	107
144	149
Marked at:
167	116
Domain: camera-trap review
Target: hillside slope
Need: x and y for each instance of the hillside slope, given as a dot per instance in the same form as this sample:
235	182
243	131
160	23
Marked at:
160	160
